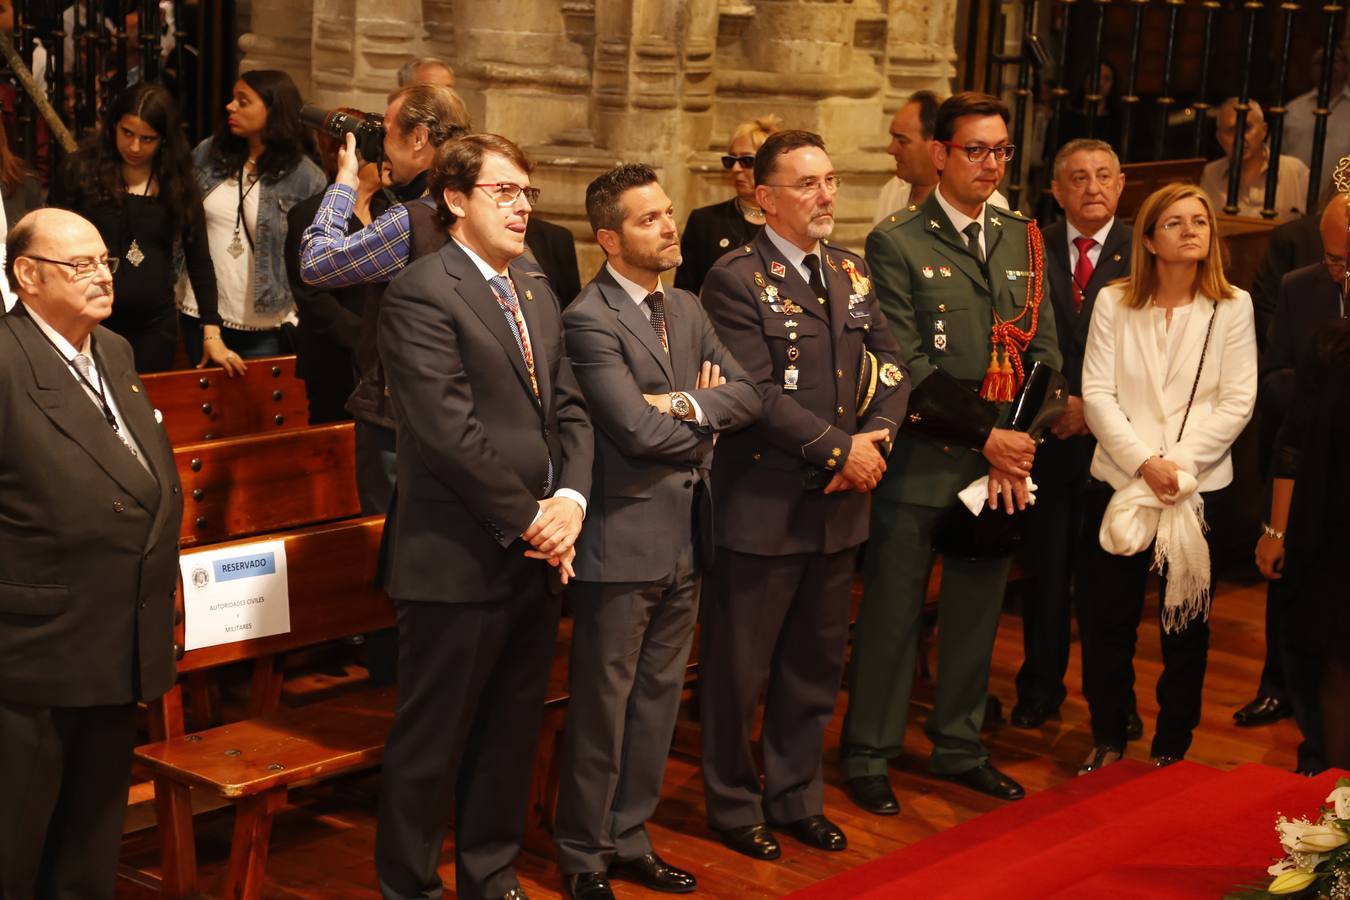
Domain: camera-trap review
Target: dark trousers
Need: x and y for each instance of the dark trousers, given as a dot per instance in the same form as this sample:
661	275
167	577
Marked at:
1053	533
1302	676
630	644
376	472
1110	607
1336	710
154	340
472	679
67	770
777	627
1274	682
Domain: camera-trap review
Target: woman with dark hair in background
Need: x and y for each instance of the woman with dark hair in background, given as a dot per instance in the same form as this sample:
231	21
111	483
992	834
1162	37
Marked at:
713	230
19	186
133	179
251	172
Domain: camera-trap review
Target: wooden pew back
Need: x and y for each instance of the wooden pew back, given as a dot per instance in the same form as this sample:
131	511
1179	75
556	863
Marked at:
205	404
267	482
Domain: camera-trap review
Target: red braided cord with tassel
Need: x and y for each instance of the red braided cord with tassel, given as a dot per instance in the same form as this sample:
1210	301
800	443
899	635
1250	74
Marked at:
1002	381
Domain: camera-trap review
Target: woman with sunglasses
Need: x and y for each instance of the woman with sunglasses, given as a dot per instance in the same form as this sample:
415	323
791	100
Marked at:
712	231
134	181
250	173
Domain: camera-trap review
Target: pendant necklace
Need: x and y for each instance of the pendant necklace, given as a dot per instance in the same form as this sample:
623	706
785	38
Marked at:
236	248
135	255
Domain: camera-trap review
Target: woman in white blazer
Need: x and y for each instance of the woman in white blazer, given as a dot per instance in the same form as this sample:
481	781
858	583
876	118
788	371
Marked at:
1169	381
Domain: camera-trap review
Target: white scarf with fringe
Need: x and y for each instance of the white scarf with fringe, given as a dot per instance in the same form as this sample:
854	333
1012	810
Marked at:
1135	517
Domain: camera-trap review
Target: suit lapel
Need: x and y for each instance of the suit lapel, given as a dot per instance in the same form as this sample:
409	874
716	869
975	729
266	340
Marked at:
1061	278
139	417
993	232
791	284
637	323
478	296
64	401
951	243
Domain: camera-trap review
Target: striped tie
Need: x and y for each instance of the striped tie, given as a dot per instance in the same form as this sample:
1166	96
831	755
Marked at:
506	299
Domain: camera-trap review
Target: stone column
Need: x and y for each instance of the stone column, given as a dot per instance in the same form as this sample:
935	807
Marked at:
358	47
280	39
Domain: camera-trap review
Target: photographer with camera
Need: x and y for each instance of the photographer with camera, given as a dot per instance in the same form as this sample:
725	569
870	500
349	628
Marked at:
419	118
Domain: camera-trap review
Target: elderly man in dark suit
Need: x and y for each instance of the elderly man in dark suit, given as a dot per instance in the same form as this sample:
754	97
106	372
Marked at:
801	316
1087	250
659	386
89	517
1310	298
494	464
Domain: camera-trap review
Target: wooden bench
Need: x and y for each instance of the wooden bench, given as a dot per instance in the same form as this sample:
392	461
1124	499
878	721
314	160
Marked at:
253	764
205	404
267	482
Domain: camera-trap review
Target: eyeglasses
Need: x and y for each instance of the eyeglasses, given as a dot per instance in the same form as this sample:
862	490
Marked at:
1199	223
747	161
829	183
83	268
505	193
977	152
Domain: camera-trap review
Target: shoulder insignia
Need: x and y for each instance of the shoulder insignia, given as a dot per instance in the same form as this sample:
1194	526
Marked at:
935	224
891	375
892	218
913	207
995	220
747	248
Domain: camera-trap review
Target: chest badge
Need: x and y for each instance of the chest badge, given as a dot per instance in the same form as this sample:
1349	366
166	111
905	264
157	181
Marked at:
759	280
945	271
777	270
927	271
935	224
995	220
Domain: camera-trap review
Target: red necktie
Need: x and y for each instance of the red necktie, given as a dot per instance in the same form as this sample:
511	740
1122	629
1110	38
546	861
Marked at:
1082	273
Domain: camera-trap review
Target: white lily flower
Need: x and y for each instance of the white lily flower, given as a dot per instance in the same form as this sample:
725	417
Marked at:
1339	801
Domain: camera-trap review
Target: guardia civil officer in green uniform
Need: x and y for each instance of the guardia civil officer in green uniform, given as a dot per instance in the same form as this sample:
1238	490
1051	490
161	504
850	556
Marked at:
952	278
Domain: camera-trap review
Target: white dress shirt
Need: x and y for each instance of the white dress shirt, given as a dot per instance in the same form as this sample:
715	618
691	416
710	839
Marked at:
1095	251
68	352
638	294
488	274
961	220
1291	192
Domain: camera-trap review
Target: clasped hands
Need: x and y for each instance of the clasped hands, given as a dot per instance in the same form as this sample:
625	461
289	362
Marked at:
553	534
1010	454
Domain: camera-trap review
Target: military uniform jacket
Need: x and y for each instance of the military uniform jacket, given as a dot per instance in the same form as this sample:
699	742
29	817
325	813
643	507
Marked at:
768	479
88	537
939	303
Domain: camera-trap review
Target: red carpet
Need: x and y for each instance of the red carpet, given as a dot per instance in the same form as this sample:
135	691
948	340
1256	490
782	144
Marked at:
1128	831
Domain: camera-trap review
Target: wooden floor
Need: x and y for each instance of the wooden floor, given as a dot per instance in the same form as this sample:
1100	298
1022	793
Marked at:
322	847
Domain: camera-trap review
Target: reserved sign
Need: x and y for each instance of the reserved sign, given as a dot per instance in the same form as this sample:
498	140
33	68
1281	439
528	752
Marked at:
235	594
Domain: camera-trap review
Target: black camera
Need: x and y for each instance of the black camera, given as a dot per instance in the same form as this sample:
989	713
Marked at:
367	127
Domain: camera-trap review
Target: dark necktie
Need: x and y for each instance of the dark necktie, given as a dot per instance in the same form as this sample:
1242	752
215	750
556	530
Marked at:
817	283
656	313
506	298
1082	271
972	233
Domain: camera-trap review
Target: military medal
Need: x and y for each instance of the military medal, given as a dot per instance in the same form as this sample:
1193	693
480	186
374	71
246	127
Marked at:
759	280
134	254
790	308
790	378
862	285
777	270
945	271
940	343
891	375
927	271
793	354
1014	274
769	294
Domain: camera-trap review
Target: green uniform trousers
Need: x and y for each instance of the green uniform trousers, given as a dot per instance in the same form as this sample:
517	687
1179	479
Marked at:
898	563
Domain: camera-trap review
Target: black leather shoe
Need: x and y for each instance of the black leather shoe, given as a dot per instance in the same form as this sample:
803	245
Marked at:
1262	711
651	871
873	793
817	831
587	886
1134	727
755	841
1032	715
988	780
1164	760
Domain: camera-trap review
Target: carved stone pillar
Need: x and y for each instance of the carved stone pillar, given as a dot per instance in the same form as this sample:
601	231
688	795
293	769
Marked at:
358	47
280	39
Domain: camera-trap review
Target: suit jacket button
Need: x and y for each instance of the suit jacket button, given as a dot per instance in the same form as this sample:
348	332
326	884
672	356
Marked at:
755	457
177	651
831	463
839	410
118	506
838	373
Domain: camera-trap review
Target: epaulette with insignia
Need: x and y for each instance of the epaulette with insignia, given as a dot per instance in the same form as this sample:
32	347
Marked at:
1011	213
899	217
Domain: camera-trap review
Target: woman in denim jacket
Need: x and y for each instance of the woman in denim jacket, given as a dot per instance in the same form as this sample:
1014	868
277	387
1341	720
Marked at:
251	172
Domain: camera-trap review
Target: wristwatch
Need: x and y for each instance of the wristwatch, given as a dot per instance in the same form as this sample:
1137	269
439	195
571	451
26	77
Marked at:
680	407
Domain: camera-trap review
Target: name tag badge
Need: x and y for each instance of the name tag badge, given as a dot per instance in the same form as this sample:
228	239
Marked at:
790	378
860	314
